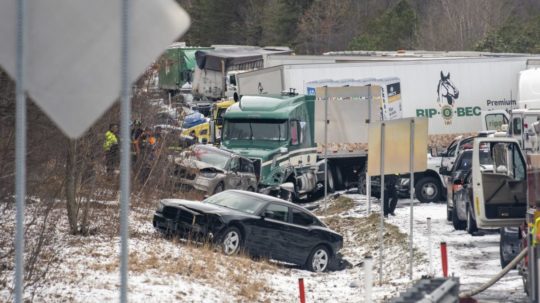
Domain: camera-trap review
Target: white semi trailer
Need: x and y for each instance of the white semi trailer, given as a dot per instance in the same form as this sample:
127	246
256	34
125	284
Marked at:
453	92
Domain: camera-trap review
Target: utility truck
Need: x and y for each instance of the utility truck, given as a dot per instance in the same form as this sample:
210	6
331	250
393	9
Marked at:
285	134
508	196
460	94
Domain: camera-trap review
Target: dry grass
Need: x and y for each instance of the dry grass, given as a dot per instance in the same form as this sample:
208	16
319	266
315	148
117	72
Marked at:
337	205
365	230
199	262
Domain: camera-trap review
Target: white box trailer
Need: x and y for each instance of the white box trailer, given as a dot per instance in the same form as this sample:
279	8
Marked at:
454	93
451	92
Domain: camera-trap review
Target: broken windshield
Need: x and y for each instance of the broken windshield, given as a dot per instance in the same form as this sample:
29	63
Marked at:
269	130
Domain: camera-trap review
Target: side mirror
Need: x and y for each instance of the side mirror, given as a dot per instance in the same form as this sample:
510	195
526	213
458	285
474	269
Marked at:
434	152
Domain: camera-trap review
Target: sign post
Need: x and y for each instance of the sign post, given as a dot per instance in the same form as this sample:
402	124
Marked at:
411	191
408	141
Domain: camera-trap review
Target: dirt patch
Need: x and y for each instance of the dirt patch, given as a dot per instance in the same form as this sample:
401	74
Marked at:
365	231
338	205
361	239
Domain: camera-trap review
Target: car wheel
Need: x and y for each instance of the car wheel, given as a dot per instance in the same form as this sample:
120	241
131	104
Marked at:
219	188
456	222
471	222
318	259
231	241
448	213
427	190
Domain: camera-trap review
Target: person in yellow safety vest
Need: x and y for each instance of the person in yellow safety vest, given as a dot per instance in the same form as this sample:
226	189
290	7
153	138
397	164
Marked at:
110	147
390	194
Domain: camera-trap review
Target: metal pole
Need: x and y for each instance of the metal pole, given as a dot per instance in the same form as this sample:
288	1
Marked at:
411	190
368	278
125	107
430	253
20	151
326	147
368	192
381	228
368	178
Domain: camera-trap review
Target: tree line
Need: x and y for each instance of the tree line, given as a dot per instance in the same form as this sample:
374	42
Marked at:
317	26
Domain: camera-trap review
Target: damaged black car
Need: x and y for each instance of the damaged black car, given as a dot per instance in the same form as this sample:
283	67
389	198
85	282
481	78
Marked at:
257	224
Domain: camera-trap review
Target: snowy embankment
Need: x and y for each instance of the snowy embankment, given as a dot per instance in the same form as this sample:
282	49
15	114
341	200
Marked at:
164	270
474	259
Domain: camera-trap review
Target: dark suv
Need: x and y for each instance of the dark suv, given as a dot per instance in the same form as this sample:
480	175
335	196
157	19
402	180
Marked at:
461	206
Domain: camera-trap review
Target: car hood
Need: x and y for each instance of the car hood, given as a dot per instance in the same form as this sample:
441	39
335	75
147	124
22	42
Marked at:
201	207
196	164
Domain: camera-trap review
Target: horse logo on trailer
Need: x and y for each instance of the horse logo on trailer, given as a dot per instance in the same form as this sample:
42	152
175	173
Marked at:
447	93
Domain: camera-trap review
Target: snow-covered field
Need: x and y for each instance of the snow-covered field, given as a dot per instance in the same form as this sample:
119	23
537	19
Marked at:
164	270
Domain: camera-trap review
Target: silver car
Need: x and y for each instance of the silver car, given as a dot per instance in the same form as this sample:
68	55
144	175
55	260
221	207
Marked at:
211	170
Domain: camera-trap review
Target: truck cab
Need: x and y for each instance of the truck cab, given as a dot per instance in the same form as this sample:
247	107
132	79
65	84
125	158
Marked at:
275	131
525	128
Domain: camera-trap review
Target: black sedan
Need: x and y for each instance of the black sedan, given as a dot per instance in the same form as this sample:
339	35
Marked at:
258	224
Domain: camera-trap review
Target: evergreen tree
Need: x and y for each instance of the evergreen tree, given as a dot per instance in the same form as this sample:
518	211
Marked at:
280	21
515	36
394	29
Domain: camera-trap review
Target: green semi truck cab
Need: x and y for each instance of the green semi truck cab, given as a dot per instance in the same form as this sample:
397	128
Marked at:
276	131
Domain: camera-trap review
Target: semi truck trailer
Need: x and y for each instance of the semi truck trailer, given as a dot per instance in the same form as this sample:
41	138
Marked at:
459	95
285	134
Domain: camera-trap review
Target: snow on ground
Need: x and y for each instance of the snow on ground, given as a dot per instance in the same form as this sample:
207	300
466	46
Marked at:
165	270
474	259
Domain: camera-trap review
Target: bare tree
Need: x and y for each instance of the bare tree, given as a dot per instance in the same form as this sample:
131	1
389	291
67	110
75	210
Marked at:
328	25
459	24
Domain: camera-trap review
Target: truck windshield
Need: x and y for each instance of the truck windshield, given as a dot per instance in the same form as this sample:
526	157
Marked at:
270	130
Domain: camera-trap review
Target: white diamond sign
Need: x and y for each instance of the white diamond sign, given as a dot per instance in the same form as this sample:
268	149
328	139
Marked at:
73	55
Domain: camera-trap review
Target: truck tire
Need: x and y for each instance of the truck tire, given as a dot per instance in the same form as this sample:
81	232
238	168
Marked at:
338	178
448	213
509	246
331	184
427	190
362	184
471	222
456	222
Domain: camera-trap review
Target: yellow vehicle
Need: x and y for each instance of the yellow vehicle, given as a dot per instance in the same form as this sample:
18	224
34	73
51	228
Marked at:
202	131
218	110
